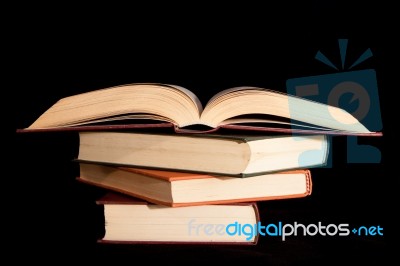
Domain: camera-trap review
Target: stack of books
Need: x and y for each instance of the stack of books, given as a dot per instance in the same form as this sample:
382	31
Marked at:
191	184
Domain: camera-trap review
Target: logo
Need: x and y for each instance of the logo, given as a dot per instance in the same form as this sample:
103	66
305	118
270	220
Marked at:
282	230
355	91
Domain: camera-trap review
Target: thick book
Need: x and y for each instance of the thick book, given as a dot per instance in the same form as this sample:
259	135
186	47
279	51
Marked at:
177	189
234	155
128	220
131	106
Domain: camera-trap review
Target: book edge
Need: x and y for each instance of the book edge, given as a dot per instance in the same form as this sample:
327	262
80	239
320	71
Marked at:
240	175
179	130
307	192
250	243
253	204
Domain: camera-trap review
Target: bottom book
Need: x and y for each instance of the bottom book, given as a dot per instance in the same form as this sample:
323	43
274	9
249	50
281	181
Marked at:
133	221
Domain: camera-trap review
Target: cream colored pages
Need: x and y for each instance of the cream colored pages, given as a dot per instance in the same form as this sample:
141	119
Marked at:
180	106
251	100
163	101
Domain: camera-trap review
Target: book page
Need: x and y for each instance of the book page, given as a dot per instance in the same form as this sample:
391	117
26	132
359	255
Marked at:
231	90
268	121
191	95
241	101
155	101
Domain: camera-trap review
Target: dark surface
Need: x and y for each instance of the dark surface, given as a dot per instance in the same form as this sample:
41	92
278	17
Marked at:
56	215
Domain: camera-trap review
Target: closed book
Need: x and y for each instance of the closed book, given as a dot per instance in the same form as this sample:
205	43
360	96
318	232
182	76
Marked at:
233	155
178	189
128	220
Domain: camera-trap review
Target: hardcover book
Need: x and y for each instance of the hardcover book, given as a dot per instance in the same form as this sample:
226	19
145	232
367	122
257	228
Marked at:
234	155
240	108
132	221
177	189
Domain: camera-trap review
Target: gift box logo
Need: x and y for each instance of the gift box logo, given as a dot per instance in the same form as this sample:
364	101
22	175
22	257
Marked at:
355	91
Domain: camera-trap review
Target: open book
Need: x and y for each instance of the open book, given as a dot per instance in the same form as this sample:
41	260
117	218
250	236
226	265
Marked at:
248	108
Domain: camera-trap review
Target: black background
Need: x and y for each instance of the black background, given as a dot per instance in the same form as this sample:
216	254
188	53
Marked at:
206	49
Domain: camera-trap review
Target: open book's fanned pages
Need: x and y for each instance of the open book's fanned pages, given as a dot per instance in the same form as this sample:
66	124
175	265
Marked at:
129	220
178	189
132	106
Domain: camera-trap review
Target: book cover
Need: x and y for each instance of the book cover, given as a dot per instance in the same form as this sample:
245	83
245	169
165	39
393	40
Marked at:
170	127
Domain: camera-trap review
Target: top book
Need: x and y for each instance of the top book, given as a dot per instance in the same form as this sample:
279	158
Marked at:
247	108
